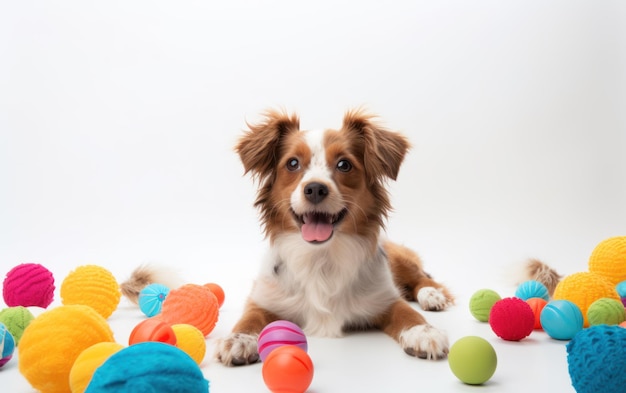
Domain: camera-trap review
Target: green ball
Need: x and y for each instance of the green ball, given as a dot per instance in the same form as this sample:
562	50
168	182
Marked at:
16	319
606	311
481	302
472	360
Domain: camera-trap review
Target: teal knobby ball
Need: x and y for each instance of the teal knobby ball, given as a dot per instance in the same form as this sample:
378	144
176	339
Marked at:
472	360
148	367
530	289
151	299
7	345
606	311
621	290
596	360
561	319
481	302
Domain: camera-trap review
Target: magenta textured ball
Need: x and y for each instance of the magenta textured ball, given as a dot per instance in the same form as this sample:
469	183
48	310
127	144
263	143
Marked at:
279	333
512	319
28	284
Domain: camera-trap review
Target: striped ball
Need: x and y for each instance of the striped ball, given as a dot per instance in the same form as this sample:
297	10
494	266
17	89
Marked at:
28	284
93	286
279	333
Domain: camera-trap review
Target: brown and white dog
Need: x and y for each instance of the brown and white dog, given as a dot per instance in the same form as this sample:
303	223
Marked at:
323	204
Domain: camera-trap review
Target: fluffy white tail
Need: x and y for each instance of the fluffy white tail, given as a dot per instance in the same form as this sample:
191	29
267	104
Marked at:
149	274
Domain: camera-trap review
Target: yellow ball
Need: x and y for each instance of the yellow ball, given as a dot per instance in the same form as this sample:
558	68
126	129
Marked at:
52	342
609	259
92	286
190	340
583	289
88	361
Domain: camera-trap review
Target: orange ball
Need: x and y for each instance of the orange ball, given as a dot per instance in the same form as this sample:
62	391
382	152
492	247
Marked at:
217	291
537	304
193	305
288	369
152	330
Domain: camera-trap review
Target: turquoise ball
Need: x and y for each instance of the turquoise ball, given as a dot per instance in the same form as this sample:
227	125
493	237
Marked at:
530	289
151	299
7	345
561	319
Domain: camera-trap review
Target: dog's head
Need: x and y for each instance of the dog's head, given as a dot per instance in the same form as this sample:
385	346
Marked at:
322	183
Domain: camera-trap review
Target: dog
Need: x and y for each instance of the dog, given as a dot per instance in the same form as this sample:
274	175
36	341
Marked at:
323	205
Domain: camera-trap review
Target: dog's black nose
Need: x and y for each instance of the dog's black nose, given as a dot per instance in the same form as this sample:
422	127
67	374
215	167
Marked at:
315	192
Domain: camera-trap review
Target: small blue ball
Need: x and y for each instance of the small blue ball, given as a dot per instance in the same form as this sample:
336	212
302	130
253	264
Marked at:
530	289
621	289
151	299
7	345
561	319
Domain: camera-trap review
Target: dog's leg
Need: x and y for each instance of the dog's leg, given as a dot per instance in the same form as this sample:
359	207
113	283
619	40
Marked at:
414	283
415	335
240	347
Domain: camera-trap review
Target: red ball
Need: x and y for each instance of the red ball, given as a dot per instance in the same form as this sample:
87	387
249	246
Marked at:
537	304
152	330
511	319
28	284
288	369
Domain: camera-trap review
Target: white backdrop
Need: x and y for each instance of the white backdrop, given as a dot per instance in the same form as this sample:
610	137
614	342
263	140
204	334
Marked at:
118	118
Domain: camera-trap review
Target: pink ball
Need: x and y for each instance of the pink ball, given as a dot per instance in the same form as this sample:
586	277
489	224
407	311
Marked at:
279	333
28	284
512	319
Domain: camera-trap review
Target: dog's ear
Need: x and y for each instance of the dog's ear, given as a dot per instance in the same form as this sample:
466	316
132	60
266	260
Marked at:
383	150
258	147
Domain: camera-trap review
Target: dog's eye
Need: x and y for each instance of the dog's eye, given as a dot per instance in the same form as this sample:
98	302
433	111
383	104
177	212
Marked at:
293	164
344	166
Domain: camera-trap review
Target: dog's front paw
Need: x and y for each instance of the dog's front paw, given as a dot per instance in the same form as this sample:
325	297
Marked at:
425	342
237	349
433	299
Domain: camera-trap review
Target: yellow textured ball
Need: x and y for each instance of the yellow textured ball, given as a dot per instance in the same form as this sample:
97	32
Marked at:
583	289
190	340
52	342
88	361
92	286
609	259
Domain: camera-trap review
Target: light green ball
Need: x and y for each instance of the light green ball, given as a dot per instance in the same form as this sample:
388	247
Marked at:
481	302
606	311
16	319
472	360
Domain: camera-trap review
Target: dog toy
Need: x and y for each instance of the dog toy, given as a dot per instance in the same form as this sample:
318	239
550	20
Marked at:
7	345
530	289
511	319
93	286
217	291
606	312
537	304
191	340
621	291
148	367
28	284
561	319
152	330
481	302
608	259
596	360
16	319
151	299
279	333
53	341
583	289
473	360
191	304
288	369
88	361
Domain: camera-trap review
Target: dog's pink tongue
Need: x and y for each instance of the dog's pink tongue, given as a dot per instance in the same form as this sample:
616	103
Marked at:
317	231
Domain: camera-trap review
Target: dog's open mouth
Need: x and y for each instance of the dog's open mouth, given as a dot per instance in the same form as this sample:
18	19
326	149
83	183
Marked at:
317	227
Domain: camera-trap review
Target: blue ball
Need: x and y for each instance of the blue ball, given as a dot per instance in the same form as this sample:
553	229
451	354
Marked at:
148	367
530	289
561	319
596	360
151	299
7	345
